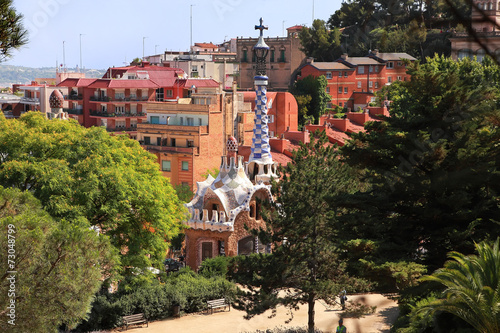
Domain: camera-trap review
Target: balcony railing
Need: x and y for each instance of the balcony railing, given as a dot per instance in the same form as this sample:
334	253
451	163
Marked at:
122	129
119	99
106	114
73	97
29	100
73	111
168	149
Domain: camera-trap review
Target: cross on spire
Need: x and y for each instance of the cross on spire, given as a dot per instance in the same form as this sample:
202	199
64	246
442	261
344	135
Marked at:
261	27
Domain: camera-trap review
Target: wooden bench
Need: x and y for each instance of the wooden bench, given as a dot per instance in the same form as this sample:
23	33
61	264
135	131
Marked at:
218	303
135	319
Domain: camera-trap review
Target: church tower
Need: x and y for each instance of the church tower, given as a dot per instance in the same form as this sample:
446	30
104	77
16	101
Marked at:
260	166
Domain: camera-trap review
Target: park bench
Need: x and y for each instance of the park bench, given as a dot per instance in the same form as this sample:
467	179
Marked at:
135	319
218	303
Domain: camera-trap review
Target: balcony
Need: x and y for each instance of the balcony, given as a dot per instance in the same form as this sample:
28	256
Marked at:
107	99
172	150
73	111
105	114
30	100
73	97
145	126
122	129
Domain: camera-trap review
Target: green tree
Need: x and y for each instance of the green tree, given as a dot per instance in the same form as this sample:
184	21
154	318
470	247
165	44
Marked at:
109	180
431	165
59	266
12	33
319	42
472	288
301	225
313	98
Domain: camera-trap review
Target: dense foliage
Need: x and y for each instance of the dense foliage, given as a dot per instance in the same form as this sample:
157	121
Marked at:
58	263
312	98
301	225
417	27
80	173
156	300
13	35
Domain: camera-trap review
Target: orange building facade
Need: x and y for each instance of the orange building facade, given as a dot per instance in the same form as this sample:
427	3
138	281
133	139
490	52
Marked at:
354	80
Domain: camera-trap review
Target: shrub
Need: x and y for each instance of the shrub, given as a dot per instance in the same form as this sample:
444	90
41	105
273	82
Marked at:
156	300
214	267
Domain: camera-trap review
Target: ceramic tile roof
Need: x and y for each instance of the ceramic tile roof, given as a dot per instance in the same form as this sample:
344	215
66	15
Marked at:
114	83
330	66
360	61
199	83
394	56
206	45
76	82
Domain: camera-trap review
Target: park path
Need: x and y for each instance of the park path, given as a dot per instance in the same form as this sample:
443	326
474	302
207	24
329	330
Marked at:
326	320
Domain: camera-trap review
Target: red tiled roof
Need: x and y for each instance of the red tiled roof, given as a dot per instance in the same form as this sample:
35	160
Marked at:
206	45
76	82
295	27
113	83
199	83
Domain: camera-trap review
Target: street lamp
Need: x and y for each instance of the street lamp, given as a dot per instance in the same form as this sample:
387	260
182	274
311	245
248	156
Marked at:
261	50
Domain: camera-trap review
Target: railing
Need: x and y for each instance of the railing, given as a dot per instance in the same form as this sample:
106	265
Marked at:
30	100
122	129
73	111
73	97
119	99
168	149
106	114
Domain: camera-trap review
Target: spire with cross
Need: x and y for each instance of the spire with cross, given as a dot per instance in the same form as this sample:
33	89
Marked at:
261	27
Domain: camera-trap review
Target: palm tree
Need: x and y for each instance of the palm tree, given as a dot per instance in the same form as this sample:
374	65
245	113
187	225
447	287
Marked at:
472	288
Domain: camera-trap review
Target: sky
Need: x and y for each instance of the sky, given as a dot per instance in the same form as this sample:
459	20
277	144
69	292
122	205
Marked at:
113	32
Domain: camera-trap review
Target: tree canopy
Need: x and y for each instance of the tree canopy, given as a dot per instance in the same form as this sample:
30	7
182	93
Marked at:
110	181
432	165
51	267
312	98
13	35
301	225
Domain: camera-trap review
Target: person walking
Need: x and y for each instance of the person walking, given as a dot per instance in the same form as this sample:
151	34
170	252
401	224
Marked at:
341	328
343	298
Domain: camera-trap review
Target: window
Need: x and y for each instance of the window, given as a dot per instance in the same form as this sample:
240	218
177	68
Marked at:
190	143
271	134
182	121
345	74
389	79
328	75
169	93
390	64
206	250
346	90
271	118
370	84
172	142
371	69
159	95
361	70
190	121
327	90
271	57
199	122
158	141
340	74
119	109
194	68
282	55
345	104
185	166
340	90
359	84
245	56
155	119
399	78
377	69
400	64
147	140
376	85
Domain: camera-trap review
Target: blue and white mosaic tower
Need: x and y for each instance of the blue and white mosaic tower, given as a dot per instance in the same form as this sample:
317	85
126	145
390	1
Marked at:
260	163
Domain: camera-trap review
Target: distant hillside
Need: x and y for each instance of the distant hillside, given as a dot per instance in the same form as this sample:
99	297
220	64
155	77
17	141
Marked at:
18	74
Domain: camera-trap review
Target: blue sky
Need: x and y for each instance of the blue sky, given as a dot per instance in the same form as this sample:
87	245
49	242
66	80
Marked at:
113	30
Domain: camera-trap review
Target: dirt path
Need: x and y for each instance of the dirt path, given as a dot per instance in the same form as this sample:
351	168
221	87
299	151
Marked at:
326	320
